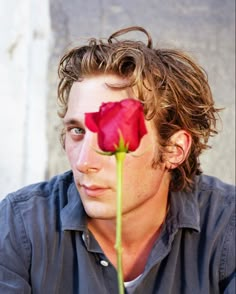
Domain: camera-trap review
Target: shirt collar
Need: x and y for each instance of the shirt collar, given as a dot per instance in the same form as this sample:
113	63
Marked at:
73	216
184	210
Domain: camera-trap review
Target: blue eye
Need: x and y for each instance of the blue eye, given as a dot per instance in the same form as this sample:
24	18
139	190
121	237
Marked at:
77	131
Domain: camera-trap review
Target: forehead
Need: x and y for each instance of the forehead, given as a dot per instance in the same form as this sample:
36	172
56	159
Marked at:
87	95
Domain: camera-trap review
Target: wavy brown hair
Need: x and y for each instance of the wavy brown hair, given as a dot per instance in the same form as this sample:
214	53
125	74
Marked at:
172	86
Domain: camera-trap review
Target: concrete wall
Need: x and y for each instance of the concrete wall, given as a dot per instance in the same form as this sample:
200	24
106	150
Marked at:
34	34
24	50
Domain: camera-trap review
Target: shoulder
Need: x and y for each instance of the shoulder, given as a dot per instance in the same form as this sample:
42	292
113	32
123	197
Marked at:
34	206
29	221
213	191
44	189
216	201
216	208
31	201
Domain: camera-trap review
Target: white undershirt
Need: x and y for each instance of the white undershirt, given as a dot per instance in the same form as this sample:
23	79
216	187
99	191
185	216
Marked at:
132	282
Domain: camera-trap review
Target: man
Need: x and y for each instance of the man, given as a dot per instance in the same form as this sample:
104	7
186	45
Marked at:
178	224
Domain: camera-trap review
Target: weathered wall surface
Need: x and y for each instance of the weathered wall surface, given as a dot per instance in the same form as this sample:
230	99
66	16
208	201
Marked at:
205	29
24	49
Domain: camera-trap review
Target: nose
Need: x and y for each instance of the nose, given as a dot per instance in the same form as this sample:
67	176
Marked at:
89	160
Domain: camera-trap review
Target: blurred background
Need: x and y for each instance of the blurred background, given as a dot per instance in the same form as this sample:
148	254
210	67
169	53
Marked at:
35	34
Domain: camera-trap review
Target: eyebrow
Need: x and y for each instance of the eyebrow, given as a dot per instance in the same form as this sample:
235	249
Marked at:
72	121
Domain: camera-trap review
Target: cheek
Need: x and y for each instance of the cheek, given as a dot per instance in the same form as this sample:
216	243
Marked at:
141	160
72	151
139	173
135	168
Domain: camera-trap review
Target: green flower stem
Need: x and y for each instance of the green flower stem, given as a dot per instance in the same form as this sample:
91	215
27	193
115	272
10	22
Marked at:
120	156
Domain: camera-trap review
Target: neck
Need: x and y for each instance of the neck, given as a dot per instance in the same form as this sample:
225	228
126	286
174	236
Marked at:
135	227
140	229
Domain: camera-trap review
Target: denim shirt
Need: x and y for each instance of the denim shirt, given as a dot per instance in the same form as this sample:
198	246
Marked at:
45	246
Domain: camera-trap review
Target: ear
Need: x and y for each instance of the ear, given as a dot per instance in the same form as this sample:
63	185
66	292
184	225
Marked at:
177	152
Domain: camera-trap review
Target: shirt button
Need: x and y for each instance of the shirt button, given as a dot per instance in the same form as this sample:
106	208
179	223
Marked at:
104	263
83	237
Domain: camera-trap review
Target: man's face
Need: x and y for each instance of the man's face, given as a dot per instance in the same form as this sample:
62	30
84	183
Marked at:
95	174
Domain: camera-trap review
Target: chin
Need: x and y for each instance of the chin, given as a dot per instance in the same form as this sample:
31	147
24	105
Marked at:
103	213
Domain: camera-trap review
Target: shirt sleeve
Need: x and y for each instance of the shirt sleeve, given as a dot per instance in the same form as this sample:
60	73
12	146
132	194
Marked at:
228	259
14	250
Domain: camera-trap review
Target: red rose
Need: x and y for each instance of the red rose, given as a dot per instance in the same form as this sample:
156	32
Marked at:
117	121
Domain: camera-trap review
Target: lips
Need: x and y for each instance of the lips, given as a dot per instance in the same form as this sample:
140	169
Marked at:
94	190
